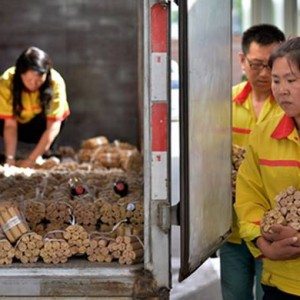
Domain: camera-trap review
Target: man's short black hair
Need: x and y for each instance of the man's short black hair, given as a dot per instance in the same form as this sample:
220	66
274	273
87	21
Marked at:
262	34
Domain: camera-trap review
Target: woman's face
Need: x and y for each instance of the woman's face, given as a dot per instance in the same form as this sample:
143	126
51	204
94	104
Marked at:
33	80
286	86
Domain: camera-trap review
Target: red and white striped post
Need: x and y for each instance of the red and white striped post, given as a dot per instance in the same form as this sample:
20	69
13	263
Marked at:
159	100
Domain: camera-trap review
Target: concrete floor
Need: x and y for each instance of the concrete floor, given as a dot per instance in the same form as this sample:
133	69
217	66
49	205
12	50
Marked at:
203	284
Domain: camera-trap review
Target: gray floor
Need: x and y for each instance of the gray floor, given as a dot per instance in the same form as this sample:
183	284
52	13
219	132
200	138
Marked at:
203	284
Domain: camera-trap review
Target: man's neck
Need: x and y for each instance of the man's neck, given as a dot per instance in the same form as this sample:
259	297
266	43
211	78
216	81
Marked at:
258	99
260	96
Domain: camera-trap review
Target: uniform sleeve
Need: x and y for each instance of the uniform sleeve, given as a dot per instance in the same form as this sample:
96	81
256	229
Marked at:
251	201
6	109
59	108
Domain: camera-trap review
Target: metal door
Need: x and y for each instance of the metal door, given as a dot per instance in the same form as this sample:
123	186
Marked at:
205	134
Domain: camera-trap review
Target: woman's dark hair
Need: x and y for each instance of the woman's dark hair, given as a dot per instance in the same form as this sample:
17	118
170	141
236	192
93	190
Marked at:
290	50
35	59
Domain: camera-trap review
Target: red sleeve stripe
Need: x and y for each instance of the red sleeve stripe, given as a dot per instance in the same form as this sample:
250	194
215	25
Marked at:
6	116
279	163
59	118
256	222
241	130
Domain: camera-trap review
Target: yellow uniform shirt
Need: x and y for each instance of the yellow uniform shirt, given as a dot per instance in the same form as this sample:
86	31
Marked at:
243	121
58	108
272	164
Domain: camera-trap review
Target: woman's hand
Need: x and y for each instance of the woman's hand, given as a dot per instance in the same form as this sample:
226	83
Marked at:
46	139
279	232
283	249
26	163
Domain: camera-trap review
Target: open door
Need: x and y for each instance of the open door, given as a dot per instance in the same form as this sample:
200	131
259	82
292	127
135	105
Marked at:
205	130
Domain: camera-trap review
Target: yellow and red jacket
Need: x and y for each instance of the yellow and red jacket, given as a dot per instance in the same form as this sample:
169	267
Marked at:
243	121
272	164
58	108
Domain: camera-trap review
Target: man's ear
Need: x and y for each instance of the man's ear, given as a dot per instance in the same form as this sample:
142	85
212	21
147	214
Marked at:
242	59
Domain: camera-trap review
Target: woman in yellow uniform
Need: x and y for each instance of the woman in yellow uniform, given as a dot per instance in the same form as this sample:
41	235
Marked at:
272	164
33	105
253	103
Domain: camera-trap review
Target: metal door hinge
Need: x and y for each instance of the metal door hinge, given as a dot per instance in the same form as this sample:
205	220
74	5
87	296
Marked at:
164	216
